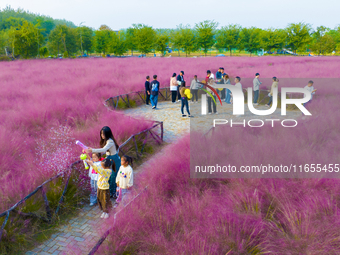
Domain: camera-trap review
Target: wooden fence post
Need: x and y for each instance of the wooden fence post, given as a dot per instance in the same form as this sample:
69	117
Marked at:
47	206
134	139
4	224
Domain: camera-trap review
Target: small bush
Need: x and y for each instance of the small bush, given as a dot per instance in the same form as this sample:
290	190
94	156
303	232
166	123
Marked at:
5	58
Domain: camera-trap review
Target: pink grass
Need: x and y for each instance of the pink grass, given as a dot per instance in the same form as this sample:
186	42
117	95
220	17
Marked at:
179	214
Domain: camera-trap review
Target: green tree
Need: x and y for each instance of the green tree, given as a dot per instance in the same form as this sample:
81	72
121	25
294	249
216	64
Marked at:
273	39
12	22
48	23
228	37
43	51
176	40
335	34
298	36
118	45
145	38
162	41
322	43
250	39
4	42
38	34
45	24
85	38
205	34
130	39
25	39
102	39
63	39
184	38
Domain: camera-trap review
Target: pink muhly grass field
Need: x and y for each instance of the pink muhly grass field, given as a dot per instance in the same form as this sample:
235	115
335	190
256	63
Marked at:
181	215
178	214
47	104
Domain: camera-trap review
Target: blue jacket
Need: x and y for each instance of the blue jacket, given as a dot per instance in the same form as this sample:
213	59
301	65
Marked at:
218	75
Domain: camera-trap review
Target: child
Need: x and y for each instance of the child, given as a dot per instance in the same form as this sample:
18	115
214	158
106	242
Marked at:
147	90
154	86
184	100
103	193
311	89
96	157
124	177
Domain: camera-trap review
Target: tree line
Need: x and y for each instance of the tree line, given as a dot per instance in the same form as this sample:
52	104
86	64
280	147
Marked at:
27	35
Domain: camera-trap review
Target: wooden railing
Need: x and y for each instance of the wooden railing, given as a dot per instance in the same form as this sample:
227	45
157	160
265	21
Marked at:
135	99
49	214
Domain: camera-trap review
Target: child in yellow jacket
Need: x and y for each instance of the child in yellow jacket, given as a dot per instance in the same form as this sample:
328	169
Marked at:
103	193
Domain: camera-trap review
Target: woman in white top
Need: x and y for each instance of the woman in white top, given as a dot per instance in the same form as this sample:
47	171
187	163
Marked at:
110	147
173	87
275	84
226	80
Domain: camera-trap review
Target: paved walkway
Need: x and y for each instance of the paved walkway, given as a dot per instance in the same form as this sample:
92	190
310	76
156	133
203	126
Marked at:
174	125
82	232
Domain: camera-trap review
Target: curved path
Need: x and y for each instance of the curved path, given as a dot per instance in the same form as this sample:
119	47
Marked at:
83	231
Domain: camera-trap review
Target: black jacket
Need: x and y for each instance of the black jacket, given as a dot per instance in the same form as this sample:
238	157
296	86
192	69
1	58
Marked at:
180	78
147	86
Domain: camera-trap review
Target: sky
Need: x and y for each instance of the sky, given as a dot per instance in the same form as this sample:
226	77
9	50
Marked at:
168	14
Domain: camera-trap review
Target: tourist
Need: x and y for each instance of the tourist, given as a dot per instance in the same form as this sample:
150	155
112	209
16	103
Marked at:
223	91
110	147
180	81
256	88
222	72
237	85
154	86
228	96
194	86
219	74
209	76
184	101
147	90
311	89
103	193
96	158
173	87
210	100
124	179
270	95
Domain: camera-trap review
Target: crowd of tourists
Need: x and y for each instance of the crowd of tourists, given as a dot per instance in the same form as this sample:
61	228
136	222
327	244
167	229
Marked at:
178	90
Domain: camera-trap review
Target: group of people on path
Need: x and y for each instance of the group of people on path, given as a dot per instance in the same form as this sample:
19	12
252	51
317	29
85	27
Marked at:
177	88
110	175
275	85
